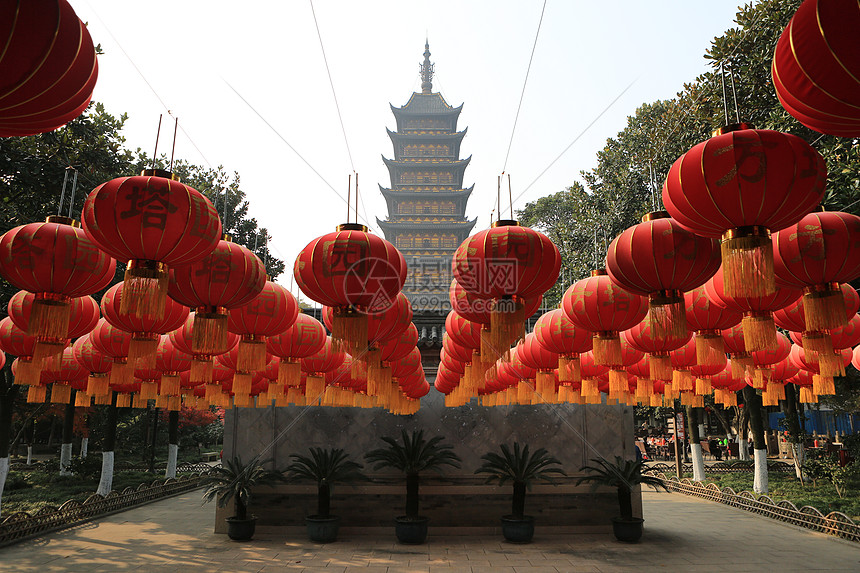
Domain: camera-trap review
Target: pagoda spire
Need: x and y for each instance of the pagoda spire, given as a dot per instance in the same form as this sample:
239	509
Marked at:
426	70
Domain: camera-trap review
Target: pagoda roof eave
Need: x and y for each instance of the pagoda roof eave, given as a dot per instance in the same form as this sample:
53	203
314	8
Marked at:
394	135
430	225
457	163
389	192
447	109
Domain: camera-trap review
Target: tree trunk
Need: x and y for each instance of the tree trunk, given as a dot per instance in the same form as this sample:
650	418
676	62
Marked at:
51	433
68	435
324	500
241	508
152	441
173	443
720	415
108	441
85	444
795	431
8	393
518	501
752	402
30	441
625	502
743	447
412	481
695	444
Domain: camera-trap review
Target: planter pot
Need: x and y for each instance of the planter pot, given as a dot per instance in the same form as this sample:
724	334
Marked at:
322	529
411	530
629	530
518	530
241	529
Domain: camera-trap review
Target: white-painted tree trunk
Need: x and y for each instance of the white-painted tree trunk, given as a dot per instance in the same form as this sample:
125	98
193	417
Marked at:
106	481
799	455
702	432
65	458
698	462
172	454
4	471
760	481
85	442
29	454
743	449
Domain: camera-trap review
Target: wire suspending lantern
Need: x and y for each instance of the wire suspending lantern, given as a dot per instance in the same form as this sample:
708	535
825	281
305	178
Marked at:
48	66
57	262
662	260
816	67
739	186
155	223
508	264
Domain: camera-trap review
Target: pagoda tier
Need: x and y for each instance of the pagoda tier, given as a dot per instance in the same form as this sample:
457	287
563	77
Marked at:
427	171
422	144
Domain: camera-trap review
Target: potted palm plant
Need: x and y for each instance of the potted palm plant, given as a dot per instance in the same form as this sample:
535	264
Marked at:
234	481
521	469
623	475
325	468
414	455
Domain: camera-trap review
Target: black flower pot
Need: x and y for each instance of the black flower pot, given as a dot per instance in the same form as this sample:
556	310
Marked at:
629	530
518	530
241	529
411	530
322	529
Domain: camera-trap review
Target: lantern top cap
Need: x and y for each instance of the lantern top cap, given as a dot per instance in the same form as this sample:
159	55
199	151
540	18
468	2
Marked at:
159	173
506	223
655	215
227	238
732	127
60	220
352	227
598	272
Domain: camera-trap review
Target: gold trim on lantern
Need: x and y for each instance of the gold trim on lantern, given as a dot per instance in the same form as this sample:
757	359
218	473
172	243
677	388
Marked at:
506	223
60	220
352	227
654	215
159	173
732	127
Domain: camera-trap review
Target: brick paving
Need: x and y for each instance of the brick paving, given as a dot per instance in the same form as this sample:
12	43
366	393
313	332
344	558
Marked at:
681	534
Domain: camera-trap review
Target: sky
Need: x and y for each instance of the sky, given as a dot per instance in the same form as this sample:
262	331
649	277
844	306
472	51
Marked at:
249	84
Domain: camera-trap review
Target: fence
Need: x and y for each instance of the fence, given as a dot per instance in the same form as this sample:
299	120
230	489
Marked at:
834	523
21	525
724	468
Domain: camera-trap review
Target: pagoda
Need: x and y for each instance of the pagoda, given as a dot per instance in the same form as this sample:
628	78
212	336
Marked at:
426	200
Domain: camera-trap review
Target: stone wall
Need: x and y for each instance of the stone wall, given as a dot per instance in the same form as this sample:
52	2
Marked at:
574	434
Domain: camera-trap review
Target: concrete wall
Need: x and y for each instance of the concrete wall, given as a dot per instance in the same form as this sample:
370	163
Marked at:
574	434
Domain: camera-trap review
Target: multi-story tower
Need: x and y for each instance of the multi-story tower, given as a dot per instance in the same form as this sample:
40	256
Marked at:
427	200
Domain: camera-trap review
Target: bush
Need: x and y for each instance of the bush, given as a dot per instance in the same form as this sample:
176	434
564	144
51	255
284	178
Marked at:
88	467
16	481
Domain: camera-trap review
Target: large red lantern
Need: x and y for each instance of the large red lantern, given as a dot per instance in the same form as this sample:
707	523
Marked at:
829	355
145	331
17	342
793	318
56	261
170	361
763	360
557	333
354	272
227	278
741	185
508	264
707	319
305	337
155	223
641	337
83	316
48	66
271	312
202	364
817	254
316	365
545	362
97	363
114	342
602	307
816	68
758	326
660	259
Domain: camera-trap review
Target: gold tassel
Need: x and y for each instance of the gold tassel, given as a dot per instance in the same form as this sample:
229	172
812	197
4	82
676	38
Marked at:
816	342
546	386
295	396
703	386
740	364
123	401
242	383
656	400
525	391
37	394
142	349
28	372
594	399
50	349
807	395
823	385
507	323
60	393
139	402
242	400
710	348
697	401
660	366
103	400
759	332
49	316
617	381
682	380
148	390
144	289
569	368
589	387
644	388
667	315
830	364
209	331
747	254
98	384
607	348
202	367
121	372
575	397
824	307
563	393
290	372
349	330
169	385
762	377
162	401
358	369
174	403
314	387
251	356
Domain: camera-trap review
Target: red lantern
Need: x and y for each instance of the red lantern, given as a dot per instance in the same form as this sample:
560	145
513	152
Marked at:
465	332
557	333
590	372
83	316
661	260
242	379
508	264
354	272
15	341
763	360
270	313
817	254
828	355
228	278
397	348
736	346
145	331
602	307
201	363
304	338
114	343
56	261
759	329
545	362
48	67
707	320
170	361
317	365
641	337
96	363
793	318
816	69
740	185
823	380
683	359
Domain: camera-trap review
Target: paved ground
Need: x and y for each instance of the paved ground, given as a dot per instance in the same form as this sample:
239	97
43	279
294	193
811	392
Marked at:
681	534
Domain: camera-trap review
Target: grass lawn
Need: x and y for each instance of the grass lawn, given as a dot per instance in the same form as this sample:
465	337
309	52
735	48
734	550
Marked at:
822	496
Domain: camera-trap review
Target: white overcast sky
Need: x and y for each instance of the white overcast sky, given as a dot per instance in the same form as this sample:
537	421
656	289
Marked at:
188	51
